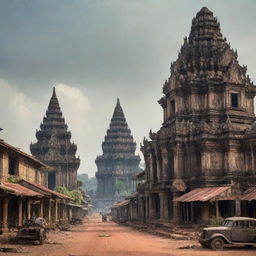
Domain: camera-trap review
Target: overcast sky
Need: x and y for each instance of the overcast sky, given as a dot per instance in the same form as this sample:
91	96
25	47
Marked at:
94	51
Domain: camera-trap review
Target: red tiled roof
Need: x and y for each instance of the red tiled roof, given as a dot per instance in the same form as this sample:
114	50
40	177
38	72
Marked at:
17	150
201	194
249	194
47	190
19	190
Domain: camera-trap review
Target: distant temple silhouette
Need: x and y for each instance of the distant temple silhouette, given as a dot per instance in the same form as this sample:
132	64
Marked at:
118	163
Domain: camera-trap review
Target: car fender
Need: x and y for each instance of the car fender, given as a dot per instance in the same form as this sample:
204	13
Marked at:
220	235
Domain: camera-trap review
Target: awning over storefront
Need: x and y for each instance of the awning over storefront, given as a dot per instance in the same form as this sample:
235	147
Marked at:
206	194
18	190
42	189
249	194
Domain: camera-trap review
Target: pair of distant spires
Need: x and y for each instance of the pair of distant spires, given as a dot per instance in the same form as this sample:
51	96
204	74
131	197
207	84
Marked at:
117	108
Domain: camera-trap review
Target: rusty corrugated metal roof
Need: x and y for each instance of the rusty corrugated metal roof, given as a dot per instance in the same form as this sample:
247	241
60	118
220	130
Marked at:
122	203
249	194
45	189
202	194
19	190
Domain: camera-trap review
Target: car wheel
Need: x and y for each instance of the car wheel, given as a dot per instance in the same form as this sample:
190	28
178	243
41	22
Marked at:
217	244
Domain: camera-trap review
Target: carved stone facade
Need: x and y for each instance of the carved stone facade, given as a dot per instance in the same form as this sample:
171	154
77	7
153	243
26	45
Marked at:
118	163
54	148
207	137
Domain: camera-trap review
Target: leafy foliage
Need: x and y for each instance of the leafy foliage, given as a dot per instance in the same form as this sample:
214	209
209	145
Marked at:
76	194
89	184
214	221
122	189
13	179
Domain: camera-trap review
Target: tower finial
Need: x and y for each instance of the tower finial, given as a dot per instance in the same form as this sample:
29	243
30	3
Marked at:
54	92
118	102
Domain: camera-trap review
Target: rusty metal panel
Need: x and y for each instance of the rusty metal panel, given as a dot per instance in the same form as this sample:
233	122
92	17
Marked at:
45	189
17	189
202	194
122	203
249	194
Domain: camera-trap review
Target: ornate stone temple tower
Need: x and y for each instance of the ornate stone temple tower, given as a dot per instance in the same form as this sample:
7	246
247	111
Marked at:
54	148
118	163
208	115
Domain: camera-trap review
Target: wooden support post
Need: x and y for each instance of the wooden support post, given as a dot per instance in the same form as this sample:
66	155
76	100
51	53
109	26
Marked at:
49	211
56	211
41	210
29	210
238	208
5	215
20	212
217	211
205	212
192	211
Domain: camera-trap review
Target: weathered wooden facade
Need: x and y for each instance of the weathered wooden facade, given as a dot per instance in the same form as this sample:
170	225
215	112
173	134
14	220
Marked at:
207	139
23	191
54	148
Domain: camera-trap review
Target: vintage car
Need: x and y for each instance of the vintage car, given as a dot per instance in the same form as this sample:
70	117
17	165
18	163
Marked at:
233	231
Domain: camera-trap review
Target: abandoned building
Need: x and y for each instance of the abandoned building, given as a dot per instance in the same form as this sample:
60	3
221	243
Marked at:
23	181
54	148
201	163
118	163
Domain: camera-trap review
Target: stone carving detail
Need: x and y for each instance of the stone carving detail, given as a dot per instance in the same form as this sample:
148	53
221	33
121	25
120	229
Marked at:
203	125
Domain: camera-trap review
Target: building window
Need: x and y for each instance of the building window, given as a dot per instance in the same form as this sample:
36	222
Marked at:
173	110
234	100
13	165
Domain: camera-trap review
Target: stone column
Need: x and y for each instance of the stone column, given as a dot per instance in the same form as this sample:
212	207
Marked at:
5	215
164	205
165	167
175	207
178	161
20	213
151	168
146	206
29	210
152	207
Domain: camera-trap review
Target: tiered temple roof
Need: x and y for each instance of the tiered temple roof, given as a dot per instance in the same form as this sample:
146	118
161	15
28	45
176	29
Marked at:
118	142
118	163
206	55
53	145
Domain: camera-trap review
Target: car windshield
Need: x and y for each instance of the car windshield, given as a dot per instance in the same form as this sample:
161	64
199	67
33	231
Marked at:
227	223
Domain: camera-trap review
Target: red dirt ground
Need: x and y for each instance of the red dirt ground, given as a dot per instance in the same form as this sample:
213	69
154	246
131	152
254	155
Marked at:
118	240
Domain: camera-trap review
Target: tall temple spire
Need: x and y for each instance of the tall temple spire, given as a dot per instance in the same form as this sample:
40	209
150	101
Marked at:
53	147
118	111
118	163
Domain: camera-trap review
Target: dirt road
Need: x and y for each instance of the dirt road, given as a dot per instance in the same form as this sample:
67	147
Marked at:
95	238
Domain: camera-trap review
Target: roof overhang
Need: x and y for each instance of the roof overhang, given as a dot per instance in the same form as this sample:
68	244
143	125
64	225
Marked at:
207	194
249	194
18	190
121	204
